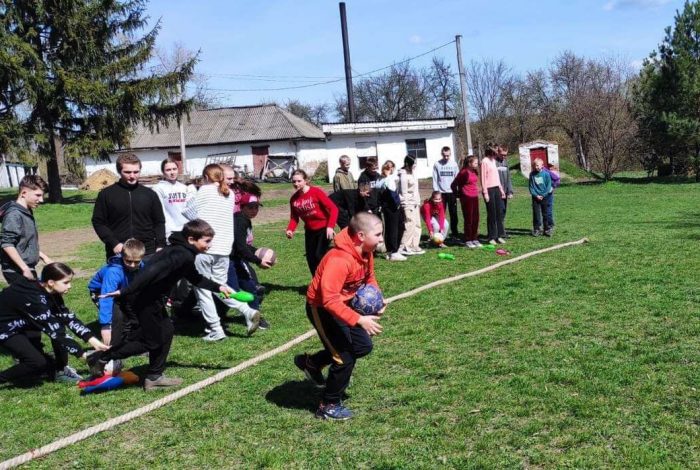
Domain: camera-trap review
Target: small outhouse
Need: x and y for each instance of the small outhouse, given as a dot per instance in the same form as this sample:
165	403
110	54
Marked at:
530	151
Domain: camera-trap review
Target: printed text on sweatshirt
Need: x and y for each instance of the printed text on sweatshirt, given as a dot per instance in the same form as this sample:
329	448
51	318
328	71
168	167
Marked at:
314	207
444	172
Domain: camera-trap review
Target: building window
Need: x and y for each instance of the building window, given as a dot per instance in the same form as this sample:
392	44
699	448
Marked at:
364	151
416	148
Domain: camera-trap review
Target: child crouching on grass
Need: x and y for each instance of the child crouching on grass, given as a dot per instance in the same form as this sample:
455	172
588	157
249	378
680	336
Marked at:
115	275
433	212
145	297
29	307
345	334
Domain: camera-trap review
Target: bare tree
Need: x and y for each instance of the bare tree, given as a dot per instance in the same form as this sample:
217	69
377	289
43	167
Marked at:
486	81
315	113
443	89
169	59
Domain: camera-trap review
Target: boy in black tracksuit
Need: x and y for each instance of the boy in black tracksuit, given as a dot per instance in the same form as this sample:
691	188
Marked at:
145	299
124	211
27	310
371	177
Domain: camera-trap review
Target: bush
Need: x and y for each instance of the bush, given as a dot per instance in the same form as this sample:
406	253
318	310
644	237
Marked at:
664	169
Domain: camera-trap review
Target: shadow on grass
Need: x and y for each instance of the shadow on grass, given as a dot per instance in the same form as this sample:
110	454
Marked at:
301	290
654	179
297	395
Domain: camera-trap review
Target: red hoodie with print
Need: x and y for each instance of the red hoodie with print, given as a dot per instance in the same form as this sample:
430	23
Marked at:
341	273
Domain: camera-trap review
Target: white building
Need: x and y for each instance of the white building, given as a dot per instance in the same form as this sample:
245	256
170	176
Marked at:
252	137
393	140
11	173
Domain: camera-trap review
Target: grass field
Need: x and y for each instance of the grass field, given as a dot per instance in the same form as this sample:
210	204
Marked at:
586	357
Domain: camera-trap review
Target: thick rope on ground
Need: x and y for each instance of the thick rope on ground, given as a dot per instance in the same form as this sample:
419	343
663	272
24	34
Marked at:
91	431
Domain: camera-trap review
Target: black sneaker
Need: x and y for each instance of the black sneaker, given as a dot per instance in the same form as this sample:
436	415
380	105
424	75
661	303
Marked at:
312	373
536	233
548	232
96	364
263	325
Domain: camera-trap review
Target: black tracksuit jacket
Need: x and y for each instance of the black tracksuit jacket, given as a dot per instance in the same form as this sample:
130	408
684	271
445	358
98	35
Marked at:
26	306
123	211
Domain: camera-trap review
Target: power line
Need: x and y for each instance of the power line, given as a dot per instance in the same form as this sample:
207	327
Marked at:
327	82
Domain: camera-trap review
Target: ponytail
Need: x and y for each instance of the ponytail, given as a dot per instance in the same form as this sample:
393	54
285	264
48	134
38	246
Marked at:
213	173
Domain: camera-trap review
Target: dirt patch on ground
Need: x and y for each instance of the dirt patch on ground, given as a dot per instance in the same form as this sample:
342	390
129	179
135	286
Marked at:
63	245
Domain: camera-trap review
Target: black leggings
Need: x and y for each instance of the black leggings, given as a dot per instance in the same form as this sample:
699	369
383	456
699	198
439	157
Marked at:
316	244
494	214
27	349
393	229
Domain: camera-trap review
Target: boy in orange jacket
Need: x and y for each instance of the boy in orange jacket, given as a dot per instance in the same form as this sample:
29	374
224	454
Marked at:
345	334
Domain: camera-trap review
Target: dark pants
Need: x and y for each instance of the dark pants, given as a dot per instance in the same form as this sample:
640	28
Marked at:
393	229
470	214
343	346
494	214
550	210
449	200
504	204
60	353
154	334
540	213
27	349
242	276
316	244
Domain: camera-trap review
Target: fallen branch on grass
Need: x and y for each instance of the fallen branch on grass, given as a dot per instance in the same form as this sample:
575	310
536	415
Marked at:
91	431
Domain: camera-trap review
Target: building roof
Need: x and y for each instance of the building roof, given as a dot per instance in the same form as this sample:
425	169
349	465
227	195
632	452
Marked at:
230	125
377	127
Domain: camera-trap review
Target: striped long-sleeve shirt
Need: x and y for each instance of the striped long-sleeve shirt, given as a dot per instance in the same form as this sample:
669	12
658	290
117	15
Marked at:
217	210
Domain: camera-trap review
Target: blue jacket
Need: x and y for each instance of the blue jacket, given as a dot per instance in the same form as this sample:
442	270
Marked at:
540	183
109	278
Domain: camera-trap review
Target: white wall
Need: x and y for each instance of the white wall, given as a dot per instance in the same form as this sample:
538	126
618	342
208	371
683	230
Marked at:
391	146
309	153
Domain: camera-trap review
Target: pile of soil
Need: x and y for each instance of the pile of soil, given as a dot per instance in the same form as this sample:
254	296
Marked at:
99	180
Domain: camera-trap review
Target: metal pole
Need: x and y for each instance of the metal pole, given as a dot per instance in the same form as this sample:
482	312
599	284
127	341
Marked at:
182	140
463	86
348	69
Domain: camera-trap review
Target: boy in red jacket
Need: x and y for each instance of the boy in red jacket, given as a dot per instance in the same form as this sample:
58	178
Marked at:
344	332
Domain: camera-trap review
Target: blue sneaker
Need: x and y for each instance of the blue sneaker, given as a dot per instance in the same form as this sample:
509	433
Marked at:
68	374
333	411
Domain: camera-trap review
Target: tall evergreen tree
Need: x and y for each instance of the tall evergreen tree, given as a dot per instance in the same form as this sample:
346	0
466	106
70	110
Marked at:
74	77
667	94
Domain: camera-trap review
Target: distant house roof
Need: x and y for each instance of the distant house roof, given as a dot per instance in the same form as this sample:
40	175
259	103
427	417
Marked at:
380	127
229	125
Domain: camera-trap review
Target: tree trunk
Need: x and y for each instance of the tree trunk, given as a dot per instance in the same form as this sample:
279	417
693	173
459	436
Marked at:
53	169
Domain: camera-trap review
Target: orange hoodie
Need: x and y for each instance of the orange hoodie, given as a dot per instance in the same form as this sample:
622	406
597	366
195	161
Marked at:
341	272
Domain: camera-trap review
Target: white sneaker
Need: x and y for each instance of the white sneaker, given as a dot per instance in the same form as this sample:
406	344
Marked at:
397	257
216	334
418	251
476	244
469	245
252	320
406	252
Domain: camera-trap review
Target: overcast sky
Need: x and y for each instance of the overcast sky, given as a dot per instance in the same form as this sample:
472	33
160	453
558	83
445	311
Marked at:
266	44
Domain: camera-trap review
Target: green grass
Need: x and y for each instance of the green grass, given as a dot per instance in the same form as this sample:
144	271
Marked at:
586	357
74	212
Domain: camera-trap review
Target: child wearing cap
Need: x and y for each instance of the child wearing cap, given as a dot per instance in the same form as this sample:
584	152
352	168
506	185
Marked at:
241	275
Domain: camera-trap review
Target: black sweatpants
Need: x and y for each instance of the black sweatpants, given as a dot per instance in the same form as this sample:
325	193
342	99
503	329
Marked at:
449	201
343	346
494	215
60	354
154	334
27	349
393	229
316	244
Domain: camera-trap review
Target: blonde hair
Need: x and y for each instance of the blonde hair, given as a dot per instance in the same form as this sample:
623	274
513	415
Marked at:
134	248
213	173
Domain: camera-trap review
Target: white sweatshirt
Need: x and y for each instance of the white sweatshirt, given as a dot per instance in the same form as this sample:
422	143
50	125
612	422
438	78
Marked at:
444	174
217	210
173	197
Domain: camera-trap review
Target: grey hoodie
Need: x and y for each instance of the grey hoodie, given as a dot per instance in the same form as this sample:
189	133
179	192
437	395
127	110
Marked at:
19	231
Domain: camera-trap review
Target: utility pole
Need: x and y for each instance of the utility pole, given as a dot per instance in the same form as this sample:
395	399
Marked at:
463	86
348	69
182	138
